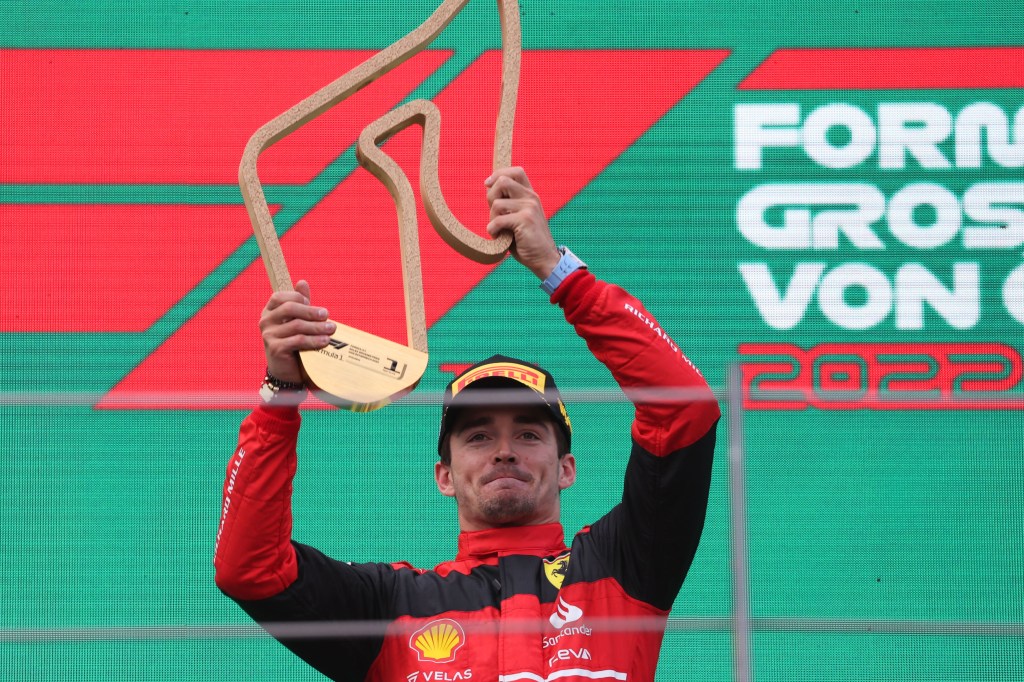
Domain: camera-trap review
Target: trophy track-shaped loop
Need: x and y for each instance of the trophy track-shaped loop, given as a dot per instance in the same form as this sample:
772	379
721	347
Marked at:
360	371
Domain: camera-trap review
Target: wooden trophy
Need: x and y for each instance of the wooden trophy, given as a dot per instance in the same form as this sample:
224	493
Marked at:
359	371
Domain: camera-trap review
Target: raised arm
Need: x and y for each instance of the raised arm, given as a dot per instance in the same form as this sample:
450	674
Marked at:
675	407
649	540
254	557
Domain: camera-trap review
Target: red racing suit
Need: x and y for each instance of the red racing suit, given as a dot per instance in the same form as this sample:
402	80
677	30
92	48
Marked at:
515	603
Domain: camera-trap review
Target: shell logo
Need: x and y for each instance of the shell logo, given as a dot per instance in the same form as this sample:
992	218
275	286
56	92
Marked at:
438	640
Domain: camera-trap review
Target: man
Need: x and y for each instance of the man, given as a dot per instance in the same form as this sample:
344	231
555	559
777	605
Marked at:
515	603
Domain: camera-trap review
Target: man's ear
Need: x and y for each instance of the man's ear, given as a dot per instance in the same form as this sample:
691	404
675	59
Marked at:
566	471
443	477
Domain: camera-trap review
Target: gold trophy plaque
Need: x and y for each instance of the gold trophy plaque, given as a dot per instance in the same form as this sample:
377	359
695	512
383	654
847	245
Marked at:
359	371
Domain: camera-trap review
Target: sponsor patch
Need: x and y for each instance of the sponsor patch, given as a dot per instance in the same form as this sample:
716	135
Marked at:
527	376
438	641
555	569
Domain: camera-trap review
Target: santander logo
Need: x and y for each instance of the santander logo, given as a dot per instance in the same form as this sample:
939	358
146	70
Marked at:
565	613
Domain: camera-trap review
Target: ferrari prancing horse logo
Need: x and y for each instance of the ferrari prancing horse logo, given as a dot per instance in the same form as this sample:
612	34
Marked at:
555	569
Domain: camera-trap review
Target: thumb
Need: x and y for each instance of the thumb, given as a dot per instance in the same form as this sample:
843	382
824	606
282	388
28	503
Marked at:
302	286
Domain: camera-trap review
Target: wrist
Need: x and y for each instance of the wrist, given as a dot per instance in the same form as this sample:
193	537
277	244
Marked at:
567	264
277	392
543	270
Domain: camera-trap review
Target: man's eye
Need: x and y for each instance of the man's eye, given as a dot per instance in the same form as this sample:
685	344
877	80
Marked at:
530	435
476	437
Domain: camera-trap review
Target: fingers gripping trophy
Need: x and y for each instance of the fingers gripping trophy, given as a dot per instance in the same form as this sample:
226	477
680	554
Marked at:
356	370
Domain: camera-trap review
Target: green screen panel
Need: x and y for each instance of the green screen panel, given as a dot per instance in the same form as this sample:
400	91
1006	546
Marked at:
828	195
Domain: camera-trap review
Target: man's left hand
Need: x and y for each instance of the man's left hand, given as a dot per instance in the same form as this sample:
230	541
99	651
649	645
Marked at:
516	207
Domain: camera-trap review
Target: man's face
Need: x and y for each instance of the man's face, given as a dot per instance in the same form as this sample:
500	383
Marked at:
505	469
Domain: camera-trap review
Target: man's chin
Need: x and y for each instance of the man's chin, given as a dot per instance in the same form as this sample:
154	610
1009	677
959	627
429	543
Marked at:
507	507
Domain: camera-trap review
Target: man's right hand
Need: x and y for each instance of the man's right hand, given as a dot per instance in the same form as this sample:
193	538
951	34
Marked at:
290	324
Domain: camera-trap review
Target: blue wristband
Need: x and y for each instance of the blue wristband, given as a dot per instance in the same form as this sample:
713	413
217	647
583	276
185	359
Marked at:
567	265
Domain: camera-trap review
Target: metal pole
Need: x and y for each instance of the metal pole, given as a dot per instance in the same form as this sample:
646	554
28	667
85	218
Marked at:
741	646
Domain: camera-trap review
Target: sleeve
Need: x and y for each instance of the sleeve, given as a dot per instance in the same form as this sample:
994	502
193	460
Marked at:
313	617
253	555
645	362
649	540
293	591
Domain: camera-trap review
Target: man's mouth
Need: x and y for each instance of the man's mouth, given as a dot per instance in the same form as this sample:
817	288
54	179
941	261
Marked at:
508	473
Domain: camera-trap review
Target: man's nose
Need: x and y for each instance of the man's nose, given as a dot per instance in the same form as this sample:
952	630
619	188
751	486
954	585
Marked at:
503	451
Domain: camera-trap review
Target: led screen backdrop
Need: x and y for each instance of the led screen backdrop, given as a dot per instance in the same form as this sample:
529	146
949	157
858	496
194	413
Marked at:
829	194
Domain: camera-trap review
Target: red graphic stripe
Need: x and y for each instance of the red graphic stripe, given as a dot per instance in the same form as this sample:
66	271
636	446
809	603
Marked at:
910	68
567	131
108	268
178	116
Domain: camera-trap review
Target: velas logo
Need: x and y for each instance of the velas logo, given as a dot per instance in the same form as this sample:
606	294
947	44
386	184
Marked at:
895	214
438	641
527	376
154	198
